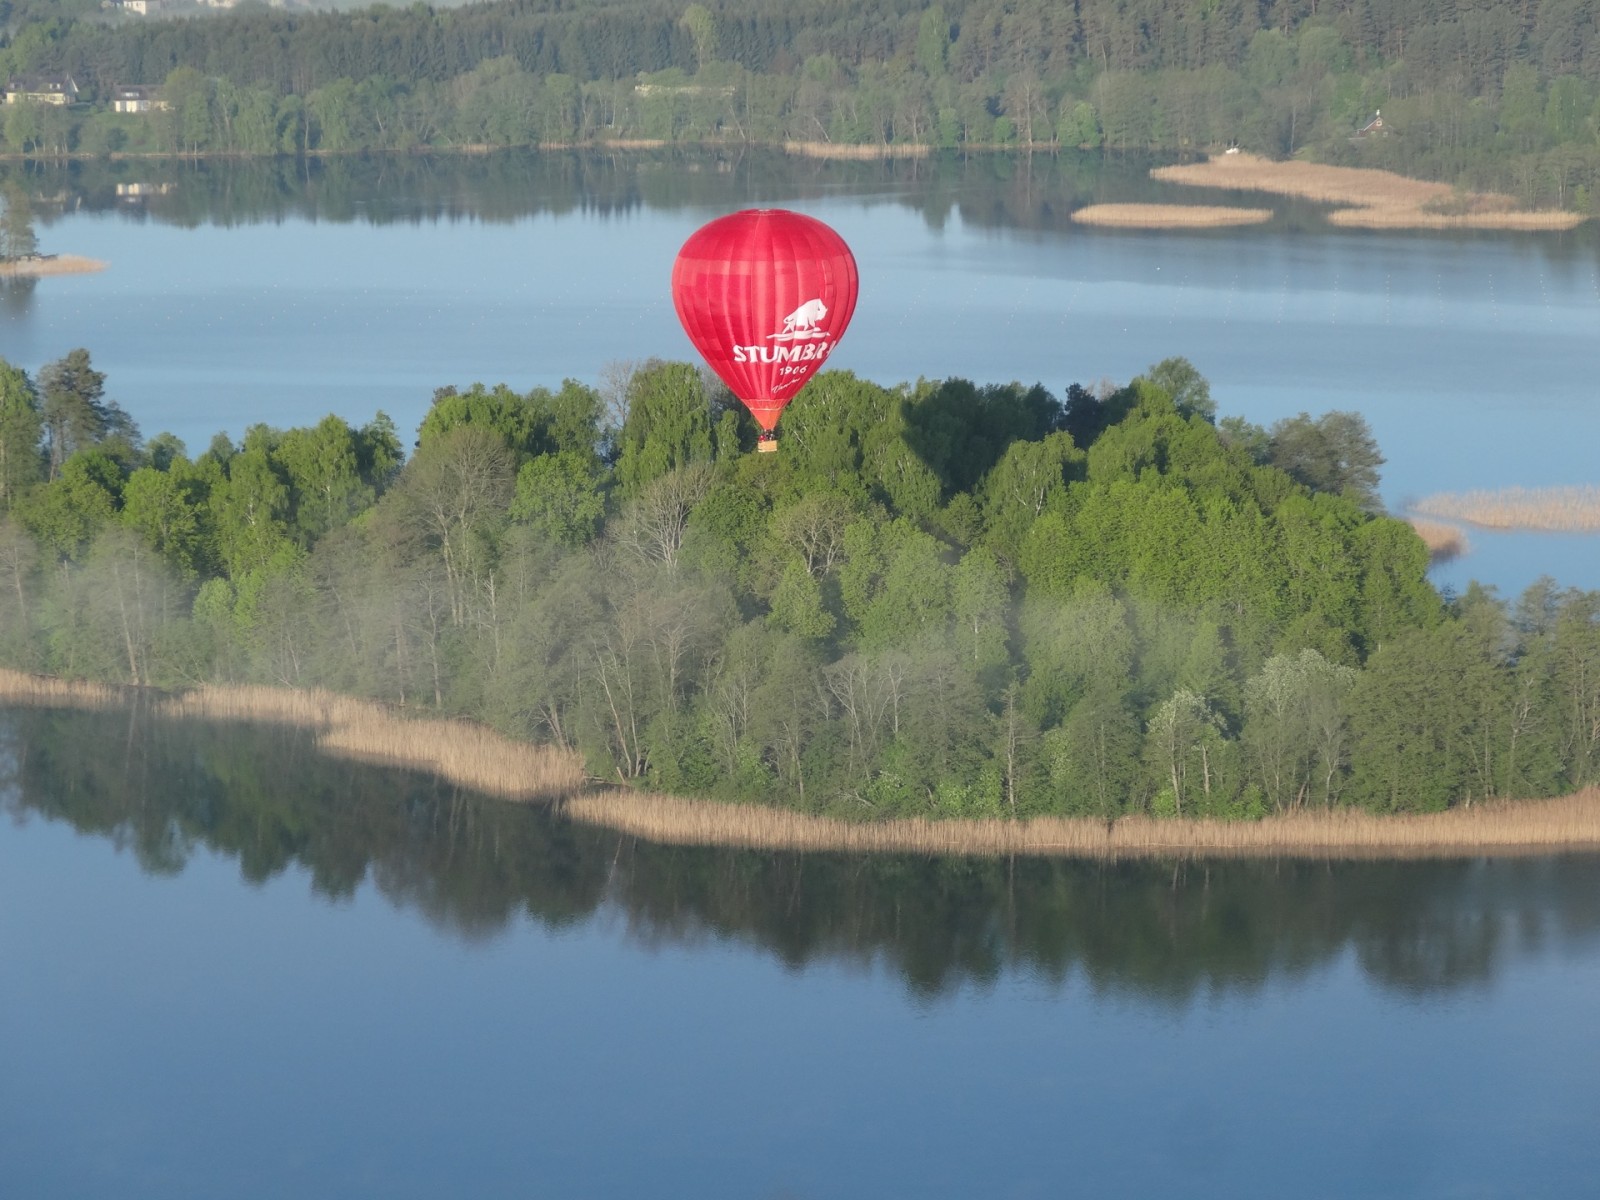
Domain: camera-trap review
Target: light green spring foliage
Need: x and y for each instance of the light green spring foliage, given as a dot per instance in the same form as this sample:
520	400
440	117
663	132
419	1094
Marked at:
941	598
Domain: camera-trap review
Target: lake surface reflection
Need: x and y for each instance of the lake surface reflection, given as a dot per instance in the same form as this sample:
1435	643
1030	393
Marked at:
216	982
280	292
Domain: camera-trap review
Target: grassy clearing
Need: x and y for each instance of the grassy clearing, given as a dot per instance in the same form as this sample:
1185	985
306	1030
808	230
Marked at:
61	264
459	751
1548	509
1500	828
1444	542
1366	198
853	152
1169	216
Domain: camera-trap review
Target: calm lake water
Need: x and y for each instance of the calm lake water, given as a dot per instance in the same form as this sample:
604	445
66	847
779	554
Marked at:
231	967
240	293
235	968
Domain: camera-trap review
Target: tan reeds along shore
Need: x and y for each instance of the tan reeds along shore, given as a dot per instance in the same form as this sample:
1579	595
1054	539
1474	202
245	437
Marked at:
1444	542
1368	199
1169	216
1548	509
61	264
1519	827
479	758
852	152
461	752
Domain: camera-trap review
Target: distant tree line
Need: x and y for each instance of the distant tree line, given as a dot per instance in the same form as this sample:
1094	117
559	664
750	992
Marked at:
938	598
1494	95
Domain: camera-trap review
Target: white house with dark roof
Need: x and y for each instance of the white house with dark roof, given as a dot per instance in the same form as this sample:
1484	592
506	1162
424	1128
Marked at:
42	88
136	98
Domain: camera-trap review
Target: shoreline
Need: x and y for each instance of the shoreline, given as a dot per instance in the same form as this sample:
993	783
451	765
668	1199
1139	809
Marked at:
857	151
1169	216
862	151
461	752
1365	197
1498	828
472	755
61	264
1358	197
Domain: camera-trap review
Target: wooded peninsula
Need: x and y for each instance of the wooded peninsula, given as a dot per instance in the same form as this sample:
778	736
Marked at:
938	600
1489	98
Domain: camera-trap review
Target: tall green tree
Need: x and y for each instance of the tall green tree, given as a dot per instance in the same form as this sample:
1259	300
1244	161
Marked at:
76	413
323	465
702	27
1295	731
669	425
1335	453
70	511
21	428
167	508
250	510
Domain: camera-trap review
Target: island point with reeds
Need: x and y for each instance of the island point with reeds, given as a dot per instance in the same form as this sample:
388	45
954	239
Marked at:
944	615
465	753
55	264
1364	198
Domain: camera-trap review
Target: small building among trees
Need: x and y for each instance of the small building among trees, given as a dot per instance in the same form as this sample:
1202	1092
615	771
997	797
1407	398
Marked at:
136	98
44	88
1374	127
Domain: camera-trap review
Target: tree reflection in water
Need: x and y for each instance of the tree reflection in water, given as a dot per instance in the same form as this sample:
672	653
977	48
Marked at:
1036	192
16	294
1165	932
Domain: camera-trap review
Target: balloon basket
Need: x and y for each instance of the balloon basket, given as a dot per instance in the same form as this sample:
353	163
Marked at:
767	446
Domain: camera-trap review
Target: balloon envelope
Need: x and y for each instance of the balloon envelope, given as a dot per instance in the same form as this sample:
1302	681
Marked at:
765	295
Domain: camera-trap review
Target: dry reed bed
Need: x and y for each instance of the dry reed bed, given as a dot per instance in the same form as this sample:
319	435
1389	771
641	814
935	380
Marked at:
1372	199
1169	216
46	691
462	752
459	751
63	264
852	151
606	144
1404	218
1549	509
1502	828
1444	542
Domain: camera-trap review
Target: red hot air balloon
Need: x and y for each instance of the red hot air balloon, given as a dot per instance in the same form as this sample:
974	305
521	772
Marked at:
765	295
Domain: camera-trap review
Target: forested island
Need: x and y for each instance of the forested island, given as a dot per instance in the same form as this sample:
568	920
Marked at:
1499	98
939	599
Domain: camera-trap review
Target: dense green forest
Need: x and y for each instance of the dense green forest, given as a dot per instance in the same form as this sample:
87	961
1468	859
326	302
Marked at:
937	598
1473	91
